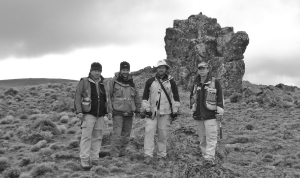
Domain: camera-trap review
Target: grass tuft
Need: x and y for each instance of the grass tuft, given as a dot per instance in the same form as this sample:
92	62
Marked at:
14	172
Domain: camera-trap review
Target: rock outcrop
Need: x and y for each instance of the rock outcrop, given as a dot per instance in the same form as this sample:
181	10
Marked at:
200	38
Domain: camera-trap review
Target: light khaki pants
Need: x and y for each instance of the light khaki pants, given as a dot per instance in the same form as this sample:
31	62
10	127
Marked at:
91	137
208	135
161	124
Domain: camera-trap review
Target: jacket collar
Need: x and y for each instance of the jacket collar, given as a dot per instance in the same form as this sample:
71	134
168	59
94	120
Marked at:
120	79
207	81
165	77
93	81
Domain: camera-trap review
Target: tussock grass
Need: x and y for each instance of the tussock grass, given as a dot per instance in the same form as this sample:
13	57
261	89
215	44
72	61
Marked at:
62	129
33	136
64	119
72	166
74	144
24	116
4	163
24	162
100	170
13	172
42	169
46	125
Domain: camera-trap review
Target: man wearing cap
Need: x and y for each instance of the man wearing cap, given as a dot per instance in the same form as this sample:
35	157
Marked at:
124	101
206	87
90	106
155	103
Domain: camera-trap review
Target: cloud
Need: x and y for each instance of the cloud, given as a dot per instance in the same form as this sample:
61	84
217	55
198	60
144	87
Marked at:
35	28
273	70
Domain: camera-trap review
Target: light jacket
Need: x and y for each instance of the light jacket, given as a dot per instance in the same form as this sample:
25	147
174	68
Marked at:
154	98
97	95
202	113
123	96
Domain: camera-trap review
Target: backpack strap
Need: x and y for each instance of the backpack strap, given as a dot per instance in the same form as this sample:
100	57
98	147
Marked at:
86	87
168	97
213	82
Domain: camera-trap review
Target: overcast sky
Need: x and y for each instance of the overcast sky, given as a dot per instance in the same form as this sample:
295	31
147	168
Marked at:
61	38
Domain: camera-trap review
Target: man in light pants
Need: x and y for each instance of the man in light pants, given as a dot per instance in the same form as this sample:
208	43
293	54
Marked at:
157	107
90	106
205	114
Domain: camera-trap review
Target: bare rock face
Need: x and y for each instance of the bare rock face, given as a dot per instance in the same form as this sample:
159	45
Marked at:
200	38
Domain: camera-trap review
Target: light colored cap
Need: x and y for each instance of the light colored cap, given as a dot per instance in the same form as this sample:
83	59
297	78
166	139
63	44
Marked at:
162	63
203	64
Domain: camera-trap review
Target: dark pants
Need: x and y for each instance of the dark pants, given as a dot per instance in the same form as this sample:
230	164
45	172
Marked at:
121	134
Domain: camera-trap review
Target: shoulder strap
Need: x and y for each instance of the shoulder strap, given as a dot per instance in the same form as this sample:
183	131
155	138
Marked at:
213	83
168	97
85	86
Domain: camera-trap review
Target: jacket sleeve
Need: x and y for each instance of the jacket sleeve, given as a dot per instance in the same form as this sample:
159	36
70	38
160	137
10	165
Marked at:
78	97
109	93
137	100
220	100
146	95
176	102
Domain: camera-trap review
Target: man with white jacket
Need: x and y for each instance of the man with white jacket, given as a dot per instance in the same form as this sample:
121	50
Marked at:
157	106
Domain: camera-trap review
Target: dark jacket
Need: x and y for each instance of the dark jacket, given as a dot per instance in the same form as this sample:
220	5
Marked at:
98	98
202	113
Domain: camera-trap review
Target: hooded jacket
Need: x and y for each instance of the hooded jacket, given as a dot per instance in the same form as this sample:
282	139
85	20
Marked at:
202	113
155	99
97	95
123	96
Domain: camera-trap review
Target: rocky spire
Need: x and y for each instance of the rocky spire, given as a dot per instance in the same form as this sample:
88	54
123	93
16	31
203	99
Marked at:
200	38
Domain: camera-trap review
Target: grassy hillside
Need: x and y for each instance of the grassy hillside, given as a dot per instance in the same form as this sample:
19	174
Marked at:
30	81
39	136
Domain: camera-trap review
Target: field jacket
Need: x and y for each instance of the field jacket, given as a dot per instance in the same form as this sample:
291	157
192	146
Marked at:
202	113
97	94
123	96
154	98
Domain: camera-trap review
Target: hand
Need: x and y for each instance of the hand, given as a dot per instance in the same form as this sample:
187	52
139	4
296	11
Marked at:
219	117
137	114
80	116
142	115
148	114
109	116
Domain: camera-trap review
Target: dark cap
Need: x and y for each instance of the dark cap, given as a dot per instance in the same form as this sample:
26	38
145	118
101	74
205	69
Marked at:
96	66
124	65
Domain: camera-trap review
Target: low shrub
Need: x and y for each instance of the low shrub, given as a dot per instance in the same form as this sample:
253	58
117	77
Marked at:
4	163
72	166
74	144
41	144
24	162
46	125
7	120
100	170
14	172
34	136
46	152
35	148
24	116
71	131
64	119
62	129
41	169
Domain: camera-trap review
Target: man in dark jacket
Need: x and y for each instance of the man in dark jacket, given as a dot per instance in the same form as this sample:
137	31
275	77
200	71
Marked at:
123	102
207	104
90	106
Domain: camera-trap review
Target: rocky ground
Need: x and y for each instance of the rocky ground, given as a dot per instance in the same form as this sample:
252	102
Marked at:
39	136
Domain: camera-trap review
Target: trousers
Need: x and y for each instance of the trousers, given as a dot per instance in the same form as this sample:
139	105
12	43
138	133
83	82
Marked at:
91	137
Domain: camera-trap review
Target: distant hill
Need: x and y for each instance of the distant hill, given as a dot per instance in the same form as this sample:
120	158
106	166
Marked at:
31	81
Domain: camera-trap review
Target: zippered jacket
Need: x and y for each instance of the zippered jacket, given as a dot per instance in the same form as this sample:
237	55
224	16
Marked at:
123	96
202	113
155	99
97	95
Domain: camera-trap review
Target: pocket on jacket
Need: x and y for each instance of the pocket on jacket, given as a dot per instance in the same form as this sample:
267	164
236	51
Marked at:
119	105
118	91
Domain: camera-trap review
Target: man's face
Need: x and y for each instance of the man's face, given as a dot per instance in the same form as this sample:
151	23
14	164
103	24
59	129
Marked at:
96	74
124	73
161	70
203	71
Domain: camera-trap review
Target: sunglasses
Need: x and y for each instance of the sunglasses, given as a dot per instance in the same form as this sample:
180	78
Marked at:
202	68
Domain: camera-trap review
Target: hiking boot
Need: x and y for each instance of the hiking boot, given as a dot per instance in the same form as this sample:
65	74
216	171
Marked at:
85	165
148	160
95	162
209	162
